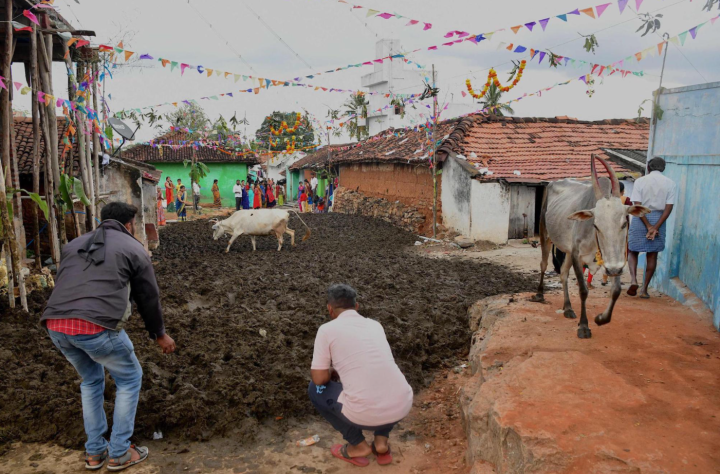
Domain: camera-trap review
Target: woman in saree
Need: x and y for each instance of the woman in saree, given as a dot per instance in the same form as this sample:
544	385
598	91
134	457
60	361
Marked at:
245	201
280	193
257	197
301	190
216	194
169	188
180	204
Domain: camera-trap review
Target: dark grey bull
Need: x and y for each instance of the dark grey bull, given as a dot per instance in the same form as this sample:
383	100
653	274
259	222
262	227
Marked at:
596	218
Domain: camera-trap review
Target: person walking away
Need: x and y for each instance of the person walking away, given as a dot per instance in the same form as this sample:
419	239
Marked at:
100	273
217	201
181	204
169	200
238	191
356	384
647	233
257	201
196	195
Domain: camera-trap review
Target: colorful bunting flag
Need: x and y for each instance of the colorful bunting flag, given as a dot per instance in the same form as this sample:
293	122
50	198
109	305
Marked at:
31	16
589	12
601	8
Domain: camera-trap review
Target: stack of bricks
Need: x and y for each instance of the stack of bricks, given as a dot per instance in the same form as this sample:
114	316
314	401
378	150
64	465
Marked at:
394	212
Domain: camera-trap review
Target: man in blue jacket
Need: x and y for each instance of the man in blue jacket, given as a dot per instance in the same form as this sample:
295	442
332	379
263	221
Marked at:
100	273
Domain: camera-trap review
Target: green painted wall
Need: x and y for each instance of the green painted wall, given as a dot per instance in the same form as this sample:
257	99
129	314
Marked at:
225	173
294	182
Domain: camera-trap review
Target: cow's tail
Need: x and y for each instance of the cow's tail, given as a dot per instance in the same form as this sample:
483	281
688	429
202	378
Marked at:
307	234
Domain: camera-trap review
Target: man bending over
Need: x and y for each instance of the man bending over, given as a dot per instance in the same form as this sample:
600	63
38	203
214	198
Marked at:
356	384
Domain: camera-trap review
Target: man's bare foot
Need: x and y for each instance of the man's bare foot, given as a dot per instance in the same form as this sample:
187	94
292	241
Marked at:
381	444
360	450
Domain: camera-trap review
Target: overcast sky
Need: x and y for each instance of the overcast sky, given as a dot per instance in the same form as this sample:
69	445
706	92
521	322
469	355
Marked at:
326	34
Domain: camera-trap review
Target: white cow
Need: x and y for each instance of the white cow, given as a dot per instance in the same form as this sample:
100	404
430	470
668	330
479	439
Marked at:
254	222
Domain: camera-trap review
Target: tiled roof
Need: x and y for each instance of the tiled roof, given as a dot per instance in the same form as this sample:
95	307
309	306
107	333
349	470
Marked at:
152	154
24	143
544	149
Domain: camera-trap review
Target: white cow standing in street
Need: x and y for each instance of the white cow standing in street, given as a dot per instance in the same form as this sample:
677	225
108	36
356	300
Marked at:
254	222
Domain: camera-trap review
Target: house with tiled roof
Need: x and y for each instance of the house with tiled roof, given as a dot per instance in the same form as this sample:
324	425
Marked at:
170	151
495	168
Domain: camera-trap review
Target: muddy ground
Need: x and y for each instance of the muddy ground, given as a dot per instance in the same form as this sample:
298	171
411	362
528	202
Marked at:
226	377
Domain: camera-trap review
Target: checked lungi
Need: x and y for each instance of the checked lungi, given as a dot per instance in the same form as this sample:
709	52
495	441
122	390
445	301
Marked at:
637	240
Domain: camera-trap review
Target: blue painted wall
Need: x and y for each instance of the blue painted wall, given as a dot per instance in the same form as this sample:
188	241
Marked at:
688	138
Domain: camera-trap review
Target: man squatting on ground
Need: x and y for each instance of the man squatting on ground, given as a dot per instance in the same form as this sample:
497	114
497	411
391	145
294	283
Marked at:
100	272
356	384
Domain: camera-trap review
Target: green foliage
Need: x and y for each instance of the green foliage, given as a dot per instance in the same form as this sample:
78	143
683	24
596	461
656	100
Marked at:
641	109
554	59
708	6
198	170
70	186
190	116
492	102
304	136
657	112
357	105
590	43
650	23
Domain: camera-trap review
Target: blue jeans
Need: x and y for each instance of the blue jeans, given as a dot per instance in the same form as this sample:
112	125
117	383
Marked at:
91	355
328	406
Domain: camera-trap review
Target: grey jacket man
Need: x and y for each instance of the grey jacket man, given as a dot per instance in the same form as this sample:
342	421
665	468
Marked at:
100	273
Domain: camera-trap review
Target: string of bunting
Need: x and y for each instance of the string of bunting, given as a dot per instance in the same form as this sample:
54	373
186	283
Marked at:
591	12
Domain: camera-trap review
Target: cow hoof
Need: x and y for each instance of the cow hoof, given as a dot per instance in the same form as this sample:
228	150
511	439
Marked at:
584	332
570	314
537	298
601	319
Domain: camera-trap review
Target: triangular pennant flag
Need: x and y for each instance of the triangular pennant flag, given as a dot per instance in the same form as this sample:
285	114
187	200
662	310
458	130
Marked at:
501	45
146	56
412	22
509	48
386	15
173	65
530	25
18	85
638	56
532	54
674	40
637	4
128	54
71	41
30	16
516	28
427	26
372	12
601	8
693	32
543	23
589	12
237	77
164	62
183	66
564	17
218	72
209	72
520	49
682	37
660	48
621	5
712	20
542	56
267	83
574	12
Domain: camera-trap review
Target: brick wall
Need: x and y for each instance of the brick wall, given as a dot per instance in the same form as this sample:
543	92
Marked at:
411	185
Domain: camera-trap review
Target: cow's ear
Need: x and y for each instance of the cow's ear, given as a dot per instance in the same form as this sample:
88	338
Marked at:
637	211
581	215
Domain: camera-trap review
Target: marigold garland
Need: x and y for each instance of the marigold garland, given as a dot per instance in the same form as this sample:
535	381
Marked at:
492	78
284	126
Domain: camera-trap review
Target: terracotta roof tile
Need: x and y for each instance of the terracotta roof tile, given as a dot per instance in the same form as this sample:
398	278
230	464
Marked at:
24	143
148	153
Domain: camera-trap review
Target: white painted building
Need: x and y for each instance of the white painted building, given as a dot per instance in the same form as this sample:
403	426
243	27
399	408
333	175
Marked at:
280	162
399	77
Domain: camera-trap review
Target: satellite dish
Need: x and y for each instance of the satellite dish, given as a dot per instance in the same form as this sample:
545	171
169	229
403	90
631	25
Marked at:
119	126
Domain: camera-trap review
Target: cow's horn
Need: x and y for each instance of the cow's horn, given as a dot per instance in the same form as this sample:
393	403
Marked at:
613	177
595	182
215	220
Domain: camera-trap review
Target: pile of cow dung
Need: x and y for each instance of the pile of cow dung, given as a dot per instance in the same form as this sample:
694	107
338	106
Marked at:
245	323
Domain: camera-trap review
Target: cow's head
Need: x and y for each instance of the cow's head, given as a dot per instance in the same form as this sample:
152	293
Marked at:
610	220
218	229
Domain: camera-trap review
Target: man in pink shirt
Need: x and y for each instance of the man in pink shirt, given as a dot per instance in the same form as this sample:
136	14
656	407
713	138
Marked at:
356	384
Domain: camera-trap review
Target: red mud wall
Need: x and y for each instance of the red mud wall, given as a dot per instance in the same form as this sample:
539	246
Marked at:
410	184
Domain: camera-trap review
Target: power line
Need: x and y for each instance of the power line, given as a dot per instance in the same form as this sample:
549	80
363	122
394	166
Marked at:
276	35
227	43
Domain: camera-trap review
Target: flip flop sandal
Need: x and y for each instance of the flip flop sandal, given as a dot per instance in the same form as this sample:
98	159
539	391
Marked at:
645	296
99	458
124	461
383	459
340	452
632	291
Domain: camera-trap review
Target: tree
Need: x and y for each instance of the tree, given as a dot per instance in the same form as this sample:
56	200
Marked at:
304	135
357	106
492	102
190	116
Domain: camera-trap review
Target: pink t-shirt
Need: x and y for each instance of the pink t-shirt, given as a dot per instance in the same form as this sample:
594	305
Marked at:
375	392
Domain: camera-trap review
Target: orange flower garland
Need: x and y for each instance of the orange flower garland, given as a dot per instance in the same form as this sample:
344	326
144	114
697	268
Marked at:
284	126
492	78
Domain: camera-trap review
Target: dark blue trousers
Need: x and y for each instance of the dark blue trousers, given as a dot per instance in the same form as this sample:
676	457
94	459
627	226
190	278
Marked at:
328	406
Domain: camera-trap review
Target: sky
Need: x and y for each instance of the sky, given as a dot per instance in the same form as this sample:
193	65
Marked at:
283	39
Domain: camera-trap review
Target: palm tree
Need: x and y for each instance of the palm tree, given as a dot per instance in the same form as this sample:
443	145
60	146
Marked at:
357	105
492	102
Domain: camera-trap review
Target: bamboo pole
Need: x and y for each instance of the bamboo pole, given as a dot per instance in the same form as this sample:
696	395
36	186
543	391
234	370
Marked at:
55	247
96	146
36	145
80	122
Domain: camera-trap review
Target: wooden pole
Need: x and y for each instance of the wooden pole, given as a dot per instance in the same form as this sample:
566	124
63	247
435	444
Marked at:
80	120
36	144
96	146
434	158
7	124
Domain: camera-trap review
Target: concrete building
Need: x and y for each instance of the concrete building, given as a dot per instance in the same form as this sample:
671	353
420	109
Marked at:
687	138
169	152
399	77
